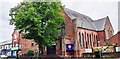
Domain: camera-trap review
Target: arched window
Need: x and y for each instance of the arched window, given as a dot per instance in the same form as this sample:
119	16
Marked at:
87	41
82	41
80	38
90	41
97	40
94	41
92	36
85	36
111	33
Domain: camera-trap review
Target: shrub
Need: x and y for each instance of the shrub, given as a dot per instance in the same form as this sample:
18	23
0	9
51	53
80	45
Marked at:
30	53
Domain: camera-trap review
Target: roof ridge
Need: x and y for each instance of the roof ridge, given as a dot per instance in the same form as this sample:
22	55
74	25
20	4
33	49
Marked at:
78	13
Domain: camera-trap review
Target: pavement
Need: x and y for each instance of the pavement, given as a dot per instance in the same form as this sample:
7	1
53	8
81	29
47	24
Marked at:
43	57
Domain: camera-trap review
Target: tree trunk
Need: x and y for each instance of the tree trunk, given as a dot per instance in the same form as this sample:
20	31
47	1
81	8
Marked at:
40	49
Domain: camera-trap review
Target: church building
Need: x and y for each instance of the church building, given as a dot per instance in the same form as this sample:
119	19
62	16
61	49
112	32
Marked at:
80	32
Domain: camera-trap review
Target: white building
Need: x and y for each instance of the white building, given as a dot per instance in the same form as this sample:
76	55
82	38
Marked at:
5	47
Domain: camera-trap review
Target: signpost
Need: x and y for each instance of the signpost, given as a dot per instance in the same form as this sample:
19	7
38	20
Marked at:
88	51
69	47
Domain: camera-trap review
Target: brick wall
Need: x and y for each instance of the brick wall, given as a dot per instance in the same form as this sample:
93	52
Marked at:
69	27
115	39
88	33
108	29
15	37
69	33
101	37
71	37
90	40
24	44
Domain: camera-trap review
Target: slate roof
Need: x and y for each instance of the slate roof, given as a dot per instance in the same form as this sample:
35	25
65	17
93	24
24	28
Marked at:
73	14
100	24
85	21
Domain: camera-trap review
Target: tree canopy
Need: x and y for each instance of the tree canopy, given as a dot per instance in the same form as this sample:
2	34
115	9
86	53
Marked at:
38	20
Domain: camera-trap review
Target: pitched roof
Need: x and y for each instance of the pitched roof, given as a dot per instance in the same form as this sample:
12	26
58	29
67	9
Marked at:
100	24
73	14
85	21
81	20
85	24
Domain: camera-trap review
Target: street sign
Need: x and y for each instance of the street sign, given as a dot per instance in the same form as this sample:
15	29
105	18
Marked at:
88	51
69	47
14	48
117	49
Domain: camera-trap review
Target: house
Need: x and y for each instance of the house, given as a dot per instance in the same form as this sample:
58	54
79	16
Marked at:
115	39
81	32
22	45
5	47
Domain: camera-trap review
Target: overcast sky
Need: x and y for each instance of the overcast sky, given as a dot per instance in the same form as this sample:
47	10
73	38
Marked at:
95	9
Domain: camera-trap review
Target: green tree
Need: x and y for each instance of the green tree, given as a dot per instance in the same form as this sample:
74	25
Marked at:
30	53
38	21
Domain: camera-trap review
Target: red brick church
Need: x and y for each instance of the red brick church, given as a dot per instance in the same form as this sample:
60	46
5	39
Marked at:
82	32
